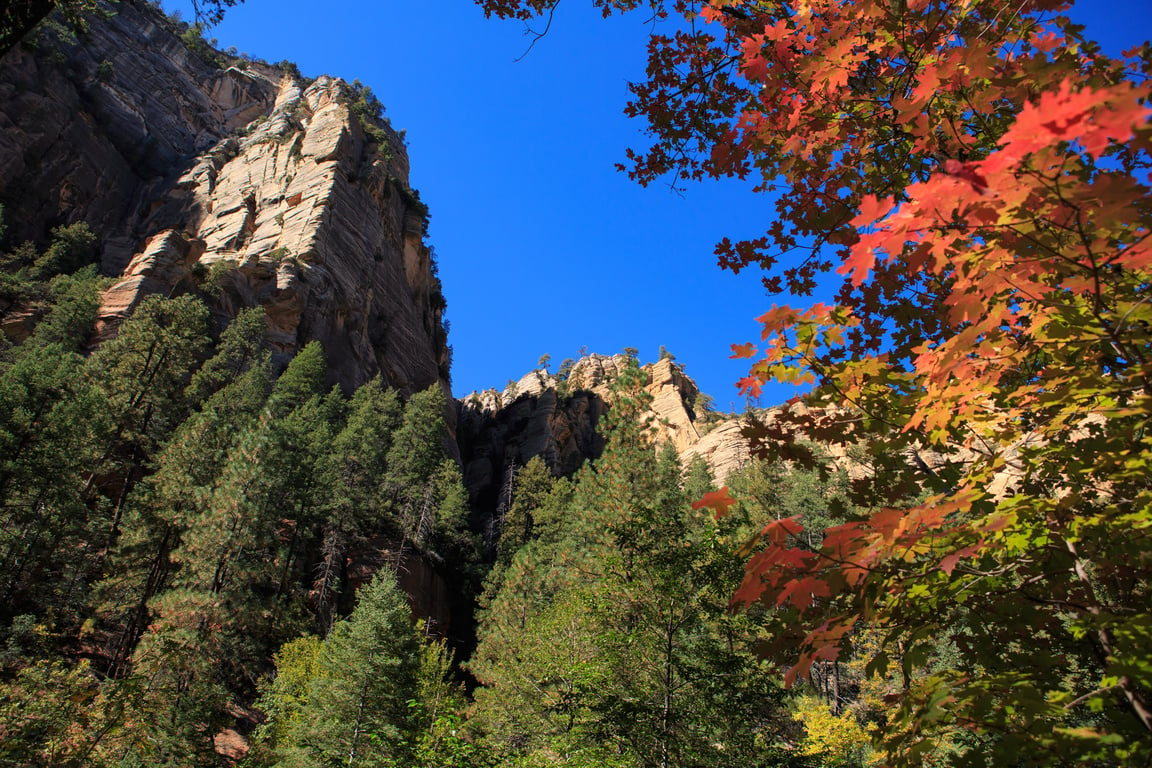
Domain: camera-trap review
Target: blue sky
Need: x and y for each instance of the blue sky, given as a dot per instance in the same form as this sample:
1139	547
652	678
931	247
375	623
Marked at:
544	248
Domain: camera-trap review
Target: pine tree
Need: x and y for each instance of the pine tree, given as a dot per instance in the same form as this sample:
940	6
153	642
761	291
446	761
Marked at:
424	483
143	372
418	445
232	387
49	436
532	484
357	709
438	710
50	417
357	502
285	697
242	346
229	602
609	640
303	378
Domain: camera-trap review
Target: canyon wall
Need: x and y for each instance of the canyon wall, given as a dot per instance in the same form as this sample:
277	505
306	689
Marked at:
234	177
556	417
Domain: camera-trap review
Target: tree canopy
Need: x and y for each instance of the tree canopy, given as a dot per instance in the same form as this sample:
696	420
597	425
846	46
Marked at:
971	174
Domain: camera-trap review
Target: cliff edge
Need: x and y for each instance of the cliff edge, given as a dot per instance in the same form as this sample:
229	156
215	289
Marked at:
262	188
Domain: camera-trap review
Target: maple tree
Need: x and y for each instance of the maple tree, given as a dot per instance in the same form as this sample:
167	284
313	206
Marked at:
975	172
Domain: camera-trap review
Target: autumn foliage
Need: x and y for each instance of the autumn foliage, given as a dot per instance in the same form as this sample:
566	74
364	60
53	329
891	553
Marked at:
975	175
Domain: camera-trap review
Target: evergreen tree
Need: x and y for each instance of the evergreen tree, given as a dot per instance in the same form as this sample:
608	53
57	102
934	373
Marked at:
236	381
438	711
303	378
143	373
359	458
357	502
48	415
357	708
70	249
51	416
424	484
145	369
73	301
52	714
609	641
230	602
242	345
285	697
418	445
532	485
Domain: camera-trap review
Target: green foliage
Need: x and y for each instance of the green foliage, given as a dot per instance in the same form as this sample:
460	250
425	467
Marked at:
357	706
819	500
241	346
418	445
51	422
438	710
606	639
413	201
533	488
144	369
25	276
425	488
193	39
289	68
70	249
369	110
174	512
284	700
21	20
73	301
49	716
303	378
359	459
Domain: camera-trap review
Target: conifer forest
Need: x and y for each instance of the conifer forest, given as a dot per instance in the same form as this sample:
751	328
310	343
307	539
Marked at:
244	522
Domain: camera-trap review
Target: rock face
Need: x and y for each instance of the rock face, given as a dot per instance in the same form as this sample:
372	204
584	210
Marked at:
241	180
542	415
724	448
95	131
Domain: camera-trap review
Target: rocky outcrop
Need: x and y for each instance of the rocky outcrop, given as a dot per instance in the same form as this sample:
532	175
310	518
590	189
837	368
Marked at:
724	448
499	433
556	418
96	129
242	181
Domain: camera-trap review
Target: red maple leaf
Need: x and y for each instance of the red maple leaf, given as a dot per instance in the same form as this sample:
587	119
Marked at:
967	172
718	501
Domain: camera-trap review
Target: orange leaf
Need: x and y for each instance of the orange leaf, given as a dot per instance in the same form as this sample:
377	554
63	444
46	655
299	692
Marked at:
742	350
802	592
750	385
718	501
859	263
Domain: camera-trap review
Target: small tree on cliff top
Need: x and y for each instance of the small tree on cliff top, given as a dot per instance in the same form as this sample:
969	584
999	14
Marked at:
977	173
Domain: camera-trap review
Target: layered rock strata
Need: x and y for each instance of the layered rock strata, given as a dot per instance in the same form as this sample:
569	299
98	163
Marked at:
544	415
242	181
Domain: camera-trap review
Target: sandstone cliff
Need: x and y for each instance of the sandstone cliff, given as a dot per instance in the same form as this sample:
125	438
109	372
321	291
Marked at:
266	188
556	417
